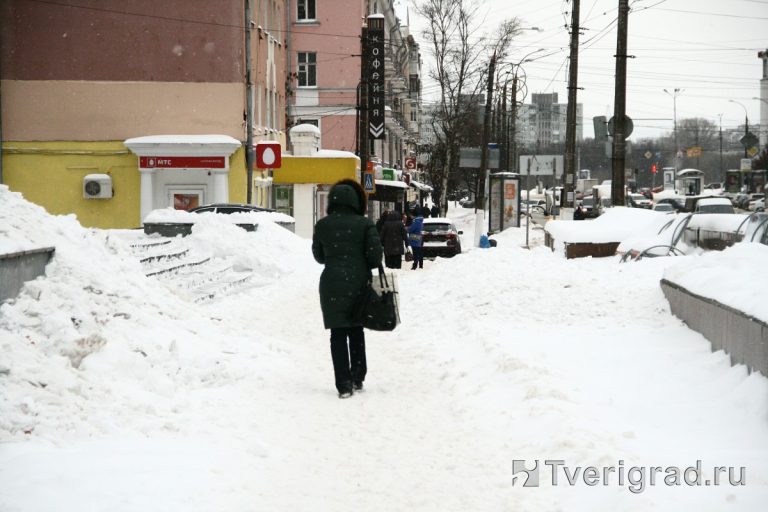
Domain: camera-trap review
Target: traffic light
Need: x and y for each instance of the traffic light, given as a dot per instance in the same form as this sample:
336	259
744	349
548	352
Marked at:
653	168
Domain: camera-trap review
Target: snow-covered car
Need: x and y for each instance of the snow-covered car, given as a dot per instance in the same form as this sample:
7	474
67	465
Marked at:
714	205
440	237
664	207
678	204
757	206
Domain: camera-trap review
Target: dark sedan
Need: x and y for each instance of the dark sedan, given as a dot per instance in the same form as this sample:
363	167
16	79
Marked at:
440	238
229	208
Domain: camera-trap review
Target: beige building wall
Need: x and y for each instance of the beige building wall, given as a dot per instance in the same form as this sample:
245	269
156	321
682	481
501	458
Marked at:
42	110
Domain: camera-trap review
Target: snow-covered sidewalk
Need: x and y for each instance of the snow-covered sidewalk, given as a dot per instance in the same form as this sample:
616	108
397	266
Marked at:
503	354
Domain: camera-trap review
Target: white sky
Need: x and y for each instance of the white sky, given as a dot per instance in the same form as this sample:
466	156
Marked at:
708	48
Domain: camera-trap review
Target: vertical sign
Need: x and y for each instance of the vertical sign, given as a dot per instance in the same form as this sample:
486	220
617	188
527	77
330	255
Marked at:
375	58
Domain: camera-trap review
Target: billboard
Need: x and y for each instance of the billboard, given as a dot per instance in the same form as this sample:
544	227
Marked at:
541	165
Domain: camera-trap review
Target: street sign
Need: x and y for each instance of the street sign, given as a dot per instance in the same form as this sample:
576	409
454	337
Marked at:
542	165
369	183
373	53
268	155
694	152
628	126
748	140
648	155
410	163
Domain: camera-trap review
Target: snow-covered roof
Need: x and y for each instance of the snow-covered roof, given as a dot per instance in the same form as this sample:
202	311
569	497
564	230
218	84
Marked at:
183	139
390	183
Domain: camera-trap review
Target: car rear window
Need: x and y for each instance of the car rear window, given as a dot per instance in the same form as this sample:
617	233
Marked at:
435	227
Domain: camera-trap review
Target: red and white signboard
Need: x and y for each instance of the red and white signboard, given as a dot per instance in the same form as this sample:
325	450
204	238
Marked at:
410	163
268	155
182	162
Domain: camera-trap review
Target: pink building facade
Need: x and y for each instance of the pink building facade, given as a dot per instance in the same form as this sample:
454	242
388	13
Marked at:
324	73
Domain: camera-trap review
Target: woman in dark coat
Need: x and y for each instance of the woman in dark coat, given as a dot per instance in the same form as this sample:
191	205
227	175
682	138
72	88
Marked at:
394	239
347	243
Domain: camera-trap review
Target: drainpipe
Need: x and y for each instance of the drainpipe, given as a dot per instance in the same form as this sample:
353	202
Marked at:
288	61
248	104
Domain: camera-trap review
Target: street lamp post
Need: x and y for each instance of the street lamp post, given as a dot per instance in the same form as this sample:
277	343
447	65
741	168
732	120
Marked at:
746	124
763	128
674	95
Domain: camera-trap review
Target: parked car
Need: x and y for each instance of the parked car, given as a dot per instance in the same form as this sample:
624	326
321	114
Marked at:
757	206
677	204
753	200
588	206
663	207
714	205
440	237
229	208
639	201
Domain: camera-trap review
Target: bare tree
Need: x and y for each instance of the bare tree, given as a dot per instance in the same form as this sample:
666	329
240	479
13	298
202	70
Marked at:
697	131
461	54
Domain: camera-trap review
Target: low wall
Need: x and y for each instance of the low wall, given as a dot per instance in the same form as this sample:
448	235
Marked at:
19	267
741	336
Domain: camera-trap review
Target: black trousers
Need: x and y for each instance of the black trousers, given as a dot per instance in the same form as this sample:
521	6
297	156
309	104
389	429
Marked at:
418	257
349	364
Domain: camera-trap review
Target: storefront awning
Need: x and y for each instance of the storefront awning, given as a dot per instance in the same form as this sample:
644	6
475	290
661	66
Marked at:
421	186
390	183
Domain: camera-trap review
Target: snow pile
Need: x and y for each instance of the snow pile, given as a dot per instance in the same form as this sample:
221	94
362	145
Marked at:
614	225
169	214
735	277
95	346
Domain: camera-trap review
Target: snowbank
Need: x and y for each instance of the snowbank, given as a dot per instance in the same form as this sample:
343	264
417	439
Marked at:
181	216
97	339
614	225
735	277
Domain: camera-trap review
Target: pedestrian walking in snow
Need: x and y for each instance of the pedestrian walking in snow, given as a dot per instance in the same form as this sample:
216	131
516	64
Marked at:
414	239
347	243
394	239
435	211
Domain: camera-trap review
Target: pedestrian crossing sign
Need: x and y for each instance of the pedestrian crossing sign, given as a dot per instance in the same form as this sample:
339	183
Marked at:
369	185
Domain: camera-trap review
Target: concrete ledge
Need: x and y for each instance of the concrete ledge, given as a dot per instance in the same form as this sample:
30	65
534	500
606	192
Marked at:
743	337
19	267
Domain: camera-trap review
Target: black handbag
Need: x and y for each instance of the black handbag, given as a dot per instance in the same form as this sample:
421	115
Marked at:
377	307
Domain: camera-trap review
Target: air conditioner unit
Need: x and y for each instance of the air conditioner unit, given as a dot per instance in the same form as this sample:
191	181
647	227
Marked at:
97	186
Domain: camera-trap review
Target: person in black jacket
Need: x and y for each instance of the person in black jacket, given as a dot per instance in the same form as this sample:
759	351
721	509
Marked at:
347	243
435	211
394	238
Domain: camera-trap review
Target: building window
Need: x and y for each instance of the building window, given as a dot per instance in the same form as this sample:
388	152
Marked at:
306	10
307	69
313	122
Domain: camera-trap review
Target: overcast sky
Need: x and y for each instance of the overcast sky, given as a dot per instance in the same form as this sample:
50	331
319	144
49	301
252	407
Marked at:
706	48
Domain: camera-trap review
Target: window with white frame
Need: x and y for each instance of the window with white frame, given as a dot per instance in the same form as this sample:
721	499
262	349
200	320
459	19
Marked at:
305	10
307	69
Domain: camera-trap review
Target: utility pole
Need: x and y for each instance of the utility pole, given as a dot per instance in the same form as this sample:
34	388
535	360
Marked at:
248	105
504	154
569	173
619	107
722	170
514	122
480	200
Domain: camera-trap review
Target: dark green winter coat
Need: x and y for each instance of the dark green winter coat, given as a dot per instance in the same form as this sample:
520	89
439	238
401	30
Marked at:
347	243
